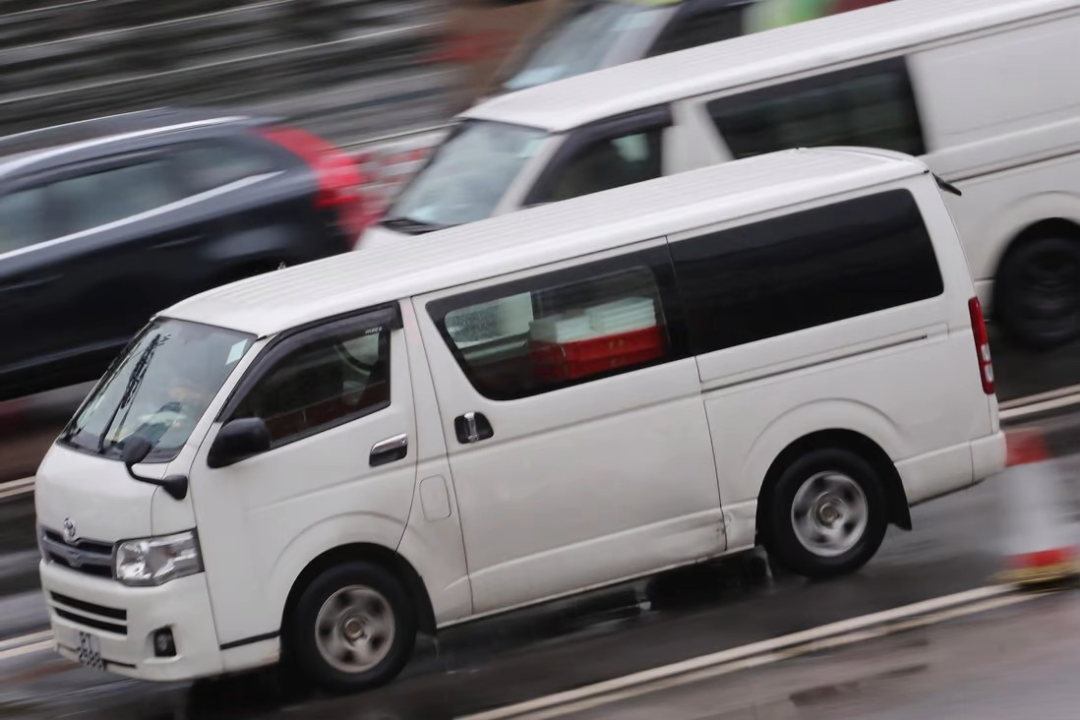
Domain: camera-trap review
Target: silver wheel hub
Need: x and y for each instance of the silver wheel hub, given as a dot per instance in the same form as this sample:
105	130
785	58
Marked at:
354	629
829	514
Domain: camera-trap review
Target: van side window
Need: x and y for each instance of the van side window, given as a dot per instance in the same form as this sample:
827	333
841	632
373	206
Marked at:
869	106
322	384
805	269
602	165
553	330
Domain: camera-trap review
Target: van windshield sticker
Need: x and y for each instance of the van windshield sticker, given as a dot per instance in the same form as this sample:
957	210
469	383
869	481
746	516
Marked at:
236	352
530	147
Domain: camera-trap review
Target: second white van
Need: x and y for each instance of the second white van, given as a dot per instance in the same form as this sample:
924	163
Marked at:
326	460
981	89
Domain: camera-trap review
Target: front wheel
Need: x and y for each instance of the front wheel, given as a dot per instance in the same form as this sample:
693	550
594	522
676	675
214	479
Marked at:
354	628
827	514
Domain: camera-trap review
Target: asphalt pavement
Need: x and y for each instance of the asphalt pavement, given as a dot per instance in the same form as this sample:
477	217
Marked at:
1014	662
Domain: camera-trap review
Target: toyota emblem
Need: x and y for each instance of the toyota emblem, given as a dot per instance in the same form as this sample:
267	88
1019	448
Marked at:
69	531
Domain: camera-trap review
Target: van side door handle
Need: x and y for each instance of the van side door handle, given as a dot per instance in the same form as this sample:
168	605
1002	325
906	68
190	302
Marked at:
472	427
389	450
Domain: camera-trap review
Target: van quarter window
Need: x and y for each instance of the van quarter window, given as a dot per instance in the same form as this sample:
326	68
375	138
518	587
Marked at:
562	328
870	106
805	269
322	383
603	164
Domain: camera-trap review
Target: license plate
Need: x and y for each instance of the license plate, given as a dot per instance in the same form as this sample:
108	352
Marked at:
90	651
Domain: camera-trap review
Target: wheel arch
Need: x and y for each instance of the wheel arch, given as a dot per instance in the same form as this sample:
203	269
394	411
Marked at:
372	553
852	441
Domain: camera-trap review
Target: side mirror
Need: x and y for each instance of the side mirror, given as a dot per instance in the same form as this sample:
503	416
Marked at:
136	448
238	440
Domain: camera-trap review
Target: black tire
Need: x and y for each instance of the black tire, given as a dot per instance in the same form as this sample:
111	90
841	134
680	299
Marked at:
1037	300
304	647
780	535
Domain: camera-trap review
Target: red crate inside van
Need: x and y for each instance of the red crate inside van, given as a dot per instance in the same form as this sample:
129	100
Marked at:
574	360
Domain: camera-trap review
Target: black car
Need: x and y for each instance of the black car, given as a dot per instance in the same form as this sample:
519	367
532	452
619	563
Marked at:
105	222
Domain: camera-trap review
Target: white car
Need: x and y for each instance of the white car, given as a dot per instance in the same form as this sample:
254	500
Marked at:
982	90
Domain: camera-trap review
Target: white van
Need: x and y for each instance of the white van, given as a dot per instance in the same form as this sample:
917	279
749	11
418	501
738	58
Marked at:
981	89
326	460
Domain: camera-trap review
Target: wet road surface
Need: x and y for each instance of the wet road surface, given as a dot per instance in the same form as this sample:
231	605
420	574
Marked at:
1015	662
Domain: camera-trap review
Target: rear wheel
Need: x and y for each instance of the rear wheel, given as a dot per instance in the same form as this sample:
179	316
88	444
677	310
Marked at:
827	514
354	628
1038	293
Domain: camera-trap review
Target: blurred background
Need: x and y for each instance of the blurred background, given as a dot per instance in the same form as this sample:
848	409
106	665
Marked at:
346	69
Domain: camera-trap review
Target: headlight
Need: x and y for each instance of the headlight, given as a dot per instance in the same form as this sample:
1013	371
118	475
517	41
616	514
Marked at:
155	561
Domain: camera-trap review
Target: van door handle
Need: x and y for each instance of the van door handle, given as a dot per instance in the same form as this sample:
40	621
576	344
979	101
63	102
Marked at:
472	427
389	450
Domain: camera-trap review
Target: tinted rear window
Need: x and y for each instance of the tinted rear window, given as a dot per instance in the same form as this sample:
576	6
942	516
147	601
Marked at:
805	269
869	106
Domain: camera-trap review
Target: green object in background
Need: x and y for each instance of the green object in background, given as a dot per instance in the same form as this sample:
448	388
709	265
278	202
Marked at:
769	14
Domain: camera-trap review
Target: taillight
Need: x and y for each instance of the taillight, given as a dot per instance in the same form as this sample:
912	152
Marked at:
982	345
339	179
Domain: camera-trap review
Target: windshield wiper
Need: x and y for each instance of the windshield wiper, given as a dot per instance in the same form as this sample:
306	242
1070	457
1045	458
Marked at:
411	226
132	387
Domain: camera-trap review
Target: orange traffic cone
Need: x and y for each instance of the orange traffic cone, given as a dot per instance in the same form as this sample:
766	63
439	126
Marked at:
1039	543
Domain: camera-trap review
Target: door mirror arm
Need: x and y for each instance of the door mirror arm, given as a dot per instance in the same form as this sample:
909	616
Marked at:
136	449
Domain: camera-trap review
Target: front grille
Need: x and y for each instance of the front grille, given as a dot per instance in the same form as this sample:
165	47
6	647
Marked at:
84	556
89	614
87	545
91	622
89	607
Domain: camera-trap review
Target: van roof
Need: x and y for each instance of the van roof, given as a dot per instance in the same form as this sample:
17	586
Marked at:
393	270
881	29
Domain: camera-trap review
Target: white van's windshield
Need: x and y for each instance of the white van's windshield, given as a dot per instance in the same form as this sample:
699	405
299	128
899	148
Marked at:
158	388
581	41
466	177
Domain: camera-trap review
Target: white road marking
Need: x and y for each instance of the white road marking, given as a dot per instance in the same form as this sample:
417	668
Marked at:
1039	397
25	640
1034	405
755	654
26	645
16	488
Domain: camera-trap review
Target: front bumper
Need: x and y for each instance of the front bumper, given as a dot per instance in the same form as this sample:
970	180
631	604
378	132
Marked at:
124	619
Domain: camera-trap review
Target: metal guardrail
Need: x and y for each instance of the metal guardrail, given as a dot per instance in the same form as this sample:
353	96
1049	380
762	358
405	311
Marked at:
217	58
394	137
